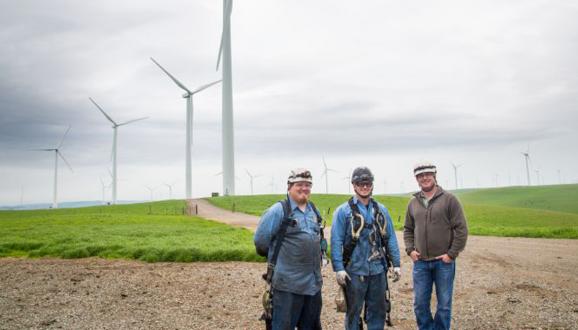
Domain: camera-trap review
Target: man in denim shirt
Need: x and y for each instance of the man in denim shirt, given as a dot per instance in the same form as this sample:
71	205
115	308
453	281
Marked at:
297	277
364	276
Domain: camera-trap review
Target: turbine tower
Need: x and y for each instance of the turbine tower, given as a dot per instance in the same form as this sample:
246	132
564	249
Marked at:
527	158
115	126
251	177
189	124
325	171
227	103
456	173
57	154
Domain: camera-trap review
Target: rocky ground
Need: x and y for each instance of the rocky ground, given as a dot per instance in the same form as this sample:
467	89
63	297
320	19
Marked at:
501	283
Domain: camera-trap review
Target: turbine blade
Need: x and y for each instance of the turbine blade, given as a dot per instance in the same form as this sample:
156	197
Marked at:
132	121
65	161
227	9
62	140
42	149
220	173
205	86
220	50
249	174
171	76
104	113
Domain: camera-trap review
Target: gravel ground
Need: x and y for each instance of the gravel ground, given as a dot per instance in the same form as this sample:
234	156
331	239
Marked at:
501	283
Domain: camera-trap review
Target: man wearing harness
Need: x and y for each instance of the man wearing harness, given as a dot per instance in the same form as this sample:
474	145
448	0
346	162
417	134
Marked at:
435	232
296	280
363	245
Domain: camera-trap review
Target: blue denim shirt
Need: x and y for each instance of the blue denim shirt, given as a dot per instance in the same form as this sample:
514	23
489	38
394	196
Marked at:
298	268
341	233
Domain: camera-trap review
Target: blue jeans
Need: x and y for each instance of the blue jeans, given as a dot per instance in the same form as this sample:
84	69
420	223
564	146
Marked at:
292	310
425	274
371	291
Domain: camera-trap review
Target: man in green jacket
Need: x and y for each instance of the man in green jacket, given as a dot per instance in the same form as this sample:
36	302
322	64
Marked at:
435	232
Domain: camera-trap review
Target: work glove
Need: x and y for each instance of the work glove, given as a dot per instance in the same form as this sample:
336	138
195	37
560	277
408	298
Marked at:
396	274
324	262
342	277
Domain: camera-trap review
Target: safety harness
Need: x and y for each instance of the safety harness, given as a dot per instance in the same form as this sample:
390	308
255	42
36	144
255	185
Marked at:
287	221
379	226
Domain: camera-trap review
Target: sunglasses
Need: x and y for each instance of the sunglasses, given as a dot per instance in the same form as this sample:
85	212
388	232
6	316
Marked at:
364	184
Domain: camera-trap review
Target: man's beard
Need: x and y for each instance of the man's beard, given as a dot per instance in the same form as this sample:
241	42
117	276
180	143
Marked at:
429	188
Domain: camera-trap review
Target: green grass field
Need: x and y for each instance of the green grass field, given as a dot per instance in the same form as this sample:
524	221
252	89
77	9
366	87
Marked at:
559	198
326	204
483	219
150	232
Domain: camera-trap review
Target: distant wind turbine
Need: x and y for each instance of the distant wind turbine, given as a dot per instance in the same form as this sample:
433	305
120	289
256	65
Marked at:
115	127
227	103
57	154
104	187
170	186
189	124
326	170
527	158
272	184
251	178
456	172
537	176
151	190
348	179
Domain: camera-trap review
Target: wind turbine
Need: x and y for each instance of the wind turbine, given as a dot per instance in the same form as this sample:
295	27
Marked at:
104	187
537	176
272	184
227	103
348	179
326	170
115	127
57	154
251	177
170	186
456	172
527	158
189	124
151	189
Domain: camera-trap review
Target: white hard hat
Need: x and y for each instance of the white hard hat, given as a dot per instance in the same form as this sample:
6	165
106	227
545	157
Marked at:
300	175
424	167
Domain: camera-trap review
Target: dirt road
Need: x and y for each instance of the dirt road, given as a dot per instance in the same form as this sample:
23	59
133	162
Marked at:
501	283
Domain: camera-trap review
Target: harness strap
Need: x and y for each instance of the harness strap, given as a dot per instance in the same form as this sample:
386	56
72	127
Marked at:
280	236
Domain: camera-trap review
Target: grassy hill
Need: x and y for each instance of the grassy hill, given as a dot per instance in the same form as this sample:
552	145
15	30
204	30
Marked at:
559	198
148	231
489	220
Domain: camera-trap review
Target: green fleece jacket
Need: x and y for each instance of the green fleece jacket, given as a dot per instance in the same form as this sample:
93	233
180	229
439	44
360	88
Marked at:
436	227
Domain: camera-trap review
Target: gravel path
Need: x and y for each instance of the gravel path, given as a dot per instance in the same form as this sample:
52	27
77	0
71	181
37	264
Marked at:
501	283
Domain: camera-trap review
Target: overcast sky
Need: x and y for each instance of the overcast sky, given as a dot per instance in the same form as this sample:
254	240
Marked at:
378	83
